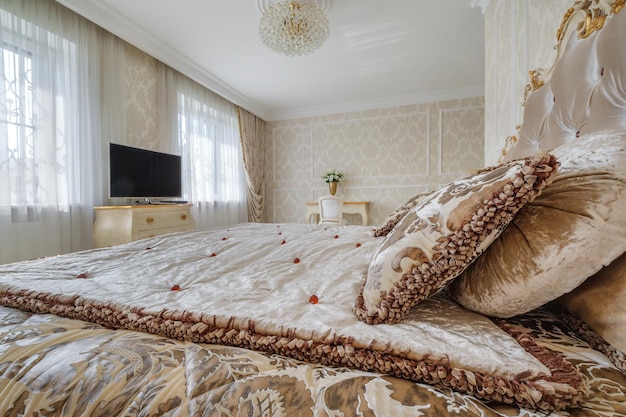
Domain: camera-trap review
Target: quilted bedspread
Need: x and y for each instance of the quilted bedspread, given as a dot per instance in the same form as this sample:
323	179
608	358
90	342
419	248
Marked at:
249	287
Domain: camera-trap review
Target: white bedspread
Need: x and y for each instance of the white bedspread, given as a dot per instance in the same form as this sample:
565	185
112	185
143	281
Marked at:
260	277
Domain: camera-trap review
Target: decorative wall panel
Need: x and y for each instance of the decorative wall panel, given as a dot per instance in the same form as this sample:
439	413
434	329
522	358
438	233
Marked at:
461	129
290	146
387	155
390	143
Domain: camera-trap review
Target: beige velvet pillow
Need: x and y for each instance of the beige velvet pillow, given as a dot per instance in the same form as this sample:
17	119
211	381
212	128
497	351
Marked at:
569	233
444	233
601	303
398	214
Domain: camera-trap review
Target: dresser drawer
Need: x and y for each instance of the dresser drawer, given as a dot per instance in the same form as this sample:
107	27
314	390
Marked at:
115	225
143	234
159	219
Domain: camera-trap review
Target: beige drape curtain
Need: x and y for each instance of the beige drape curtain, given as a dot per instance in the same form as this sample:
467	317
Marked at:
252	132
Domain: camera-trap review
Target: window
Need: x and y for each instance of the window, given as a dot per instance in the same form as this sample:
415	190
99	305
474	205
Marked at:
18	151
33	125
207	137
59	76
213	160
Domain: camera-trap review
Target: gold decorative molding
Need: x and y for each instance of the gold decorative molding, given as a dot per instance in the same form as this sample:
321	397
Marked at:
535	82
584	18
561	30
594	12
508	144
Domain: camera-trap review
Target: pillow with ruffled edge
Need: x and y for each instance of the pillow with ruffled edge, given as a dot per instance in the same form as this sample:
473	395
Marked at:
398	214
444	233
600	303
566	235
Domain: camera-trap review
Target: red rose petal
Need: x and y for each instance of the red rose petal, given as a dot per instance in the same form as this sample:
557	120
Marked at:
176	288
213	254
223	238
148	248
82	275
336	236
283	242
296	261
313	299
358	245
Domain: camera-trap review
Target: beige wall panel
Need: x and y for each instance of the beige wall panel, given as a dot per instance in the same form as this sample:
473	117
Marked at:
387	155
462	145
289	158
388	147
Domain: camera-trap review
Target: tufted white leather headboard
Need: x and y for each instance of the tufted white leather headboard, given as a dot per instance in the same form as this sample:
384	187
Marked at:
585	90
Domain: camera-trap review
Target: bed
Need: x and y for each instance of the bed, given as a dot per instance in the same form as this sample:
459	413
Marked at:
500	294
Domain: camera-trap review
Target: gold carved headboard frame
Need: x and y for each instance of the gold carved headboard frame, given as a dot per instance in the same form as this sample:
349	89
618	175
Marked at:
583	18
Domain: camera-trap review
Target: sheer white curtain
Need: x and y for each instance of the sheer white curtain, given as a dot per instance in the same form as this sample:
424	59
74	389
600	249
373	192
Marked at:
202	127
53	86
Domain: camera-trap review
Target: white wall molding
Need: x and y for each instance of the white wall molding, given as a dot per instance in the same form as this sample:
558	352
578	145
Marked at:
442	95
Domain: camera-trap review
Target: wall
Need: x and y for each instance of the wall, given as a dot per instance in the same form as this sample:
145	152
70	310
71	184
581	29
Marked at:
520	35
386	155
141	105
389	154
141	99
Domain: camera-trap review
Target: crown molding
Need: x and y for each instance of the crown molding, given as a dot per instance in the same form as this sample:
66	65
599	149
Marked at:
98	12
442	95
119	25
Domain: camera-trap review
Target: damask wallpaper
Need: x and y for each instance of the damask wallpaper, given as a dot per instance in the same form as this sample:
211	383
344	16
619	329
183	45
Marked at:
386	155
141	104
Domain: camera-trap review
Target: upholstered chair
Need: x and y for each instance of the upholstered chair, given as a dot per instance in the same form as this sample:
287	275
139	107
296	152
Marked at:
331	209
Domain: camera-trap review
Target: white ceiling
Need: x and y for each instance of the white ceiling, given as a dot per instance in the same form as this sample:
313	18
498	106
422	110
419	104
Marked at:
379	53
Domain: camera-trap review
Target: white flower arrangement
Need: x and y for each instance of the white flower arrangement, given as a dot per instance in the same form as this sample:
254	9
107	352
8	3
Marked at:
332	176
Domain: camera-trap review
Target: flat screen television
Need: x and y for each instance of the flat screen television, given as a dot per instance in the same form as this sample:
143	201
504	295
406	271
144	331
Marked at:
143	174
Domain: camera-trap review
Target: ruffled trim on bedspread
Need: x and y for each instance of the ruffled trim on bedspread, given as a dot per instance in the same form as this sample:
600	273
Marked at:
585	332
564	388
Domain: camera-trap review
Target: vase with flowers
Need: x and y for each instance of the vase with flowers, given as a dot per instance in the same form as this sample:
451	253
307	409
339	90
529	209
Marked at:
332	178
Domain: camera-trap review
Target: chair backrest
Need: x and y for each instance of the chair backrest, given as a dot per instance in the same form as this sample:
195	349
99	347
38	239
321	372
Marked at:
331	209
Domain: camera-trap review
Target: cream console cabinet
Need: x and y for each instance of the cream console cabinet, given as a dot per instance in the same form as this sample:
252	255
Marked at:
115	225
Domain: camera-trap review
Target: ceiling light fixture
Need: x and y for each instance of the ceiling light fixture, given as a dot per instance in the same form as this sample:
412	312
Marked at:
293	27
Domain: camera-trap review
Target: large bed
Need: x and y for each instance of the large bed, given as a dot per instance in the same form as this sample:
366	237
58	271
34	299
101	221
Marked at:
501	294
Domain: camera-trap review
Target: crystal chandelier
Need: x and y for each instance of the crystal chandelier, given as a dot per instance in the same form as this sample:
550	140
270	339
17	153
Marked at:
293	27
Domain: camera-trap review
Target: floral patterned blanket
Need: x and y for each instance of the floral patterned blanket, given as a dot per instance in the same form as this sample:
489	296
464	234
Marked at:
55	366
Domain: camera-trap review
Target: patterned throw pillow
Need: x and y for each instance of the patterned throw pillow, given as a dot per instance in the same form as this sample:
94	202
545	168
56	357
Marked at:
444	233
398	214
576	226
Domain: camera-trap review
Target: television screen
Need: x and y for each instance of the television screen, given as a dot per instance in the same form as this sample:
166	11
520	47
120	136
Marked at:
141	173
